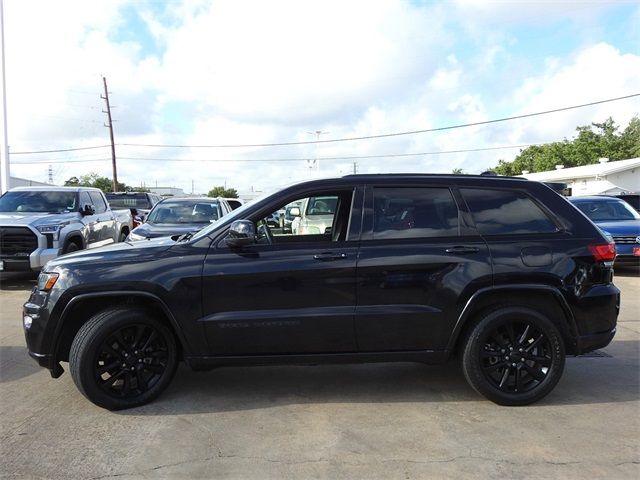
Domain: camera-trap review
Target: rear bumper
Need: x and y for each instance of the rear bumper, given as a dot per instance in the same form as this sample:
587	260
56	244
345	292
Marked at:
588	343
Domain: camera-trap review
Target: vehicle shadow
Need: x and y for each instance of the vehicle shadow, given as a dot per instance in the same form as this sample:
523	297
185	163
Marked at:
15	364
18	280
626	271
585	381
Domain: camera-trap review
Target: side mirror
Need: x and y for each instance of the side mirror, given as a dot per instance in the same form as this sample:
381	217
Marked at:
241	233
294	212
87	209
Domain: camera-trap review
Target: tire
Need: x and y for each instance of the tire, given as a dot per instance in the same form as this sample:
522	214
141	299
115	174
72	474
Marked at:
123	358
122	237
513	356
70	248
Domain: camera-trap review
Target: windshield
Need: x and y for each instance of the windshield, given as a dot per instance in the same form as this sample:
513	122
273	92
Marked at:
136	200
607	210
184	212
321	206
39	201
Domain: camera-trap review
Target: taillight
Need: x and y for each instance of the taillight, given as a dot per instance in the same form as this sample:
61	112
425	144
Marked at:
604	252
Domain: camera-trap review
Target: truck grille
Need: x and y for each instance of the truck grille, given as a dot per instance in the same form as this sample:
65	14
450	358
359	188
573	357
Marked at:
625	239
17	242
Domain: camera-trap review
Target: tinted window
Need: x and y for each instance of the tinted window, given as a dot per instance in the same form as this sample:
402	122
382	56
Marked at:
128	200
98	202
414	212
497	212
38	201
184	212
85	199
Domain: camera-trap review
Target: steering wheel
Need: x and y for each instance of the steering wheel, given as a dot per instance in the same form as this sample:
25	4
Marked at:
264	229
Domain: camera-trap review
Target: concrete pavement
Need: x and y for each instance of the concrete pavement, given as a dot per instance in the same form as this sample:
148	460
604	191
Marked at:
401	421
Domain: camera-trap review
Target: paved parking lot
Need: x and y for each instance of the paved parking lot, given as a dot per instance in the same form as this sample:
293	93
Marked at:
363	421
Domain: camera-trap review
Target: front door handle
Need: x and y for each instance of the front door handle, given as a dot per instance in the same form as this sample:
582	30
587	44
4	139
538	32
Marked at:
461	250
324	257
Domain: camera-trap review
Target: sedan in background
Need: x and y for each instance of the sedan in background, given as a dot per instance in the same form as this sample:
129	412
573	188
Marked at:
180	216
617	219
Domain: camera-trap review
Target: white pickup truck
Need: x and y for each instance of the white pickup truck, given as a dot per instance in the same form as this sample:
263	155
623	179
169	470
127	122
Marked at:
38	224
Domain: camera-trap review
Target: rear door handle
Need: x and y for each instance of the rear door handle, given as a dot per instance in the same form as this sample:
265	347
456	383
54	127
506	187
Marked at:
460	250
324	257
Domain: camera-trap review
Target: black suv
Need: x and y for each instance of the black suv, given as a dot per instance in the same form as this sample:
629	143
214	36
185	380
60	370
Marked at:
503	272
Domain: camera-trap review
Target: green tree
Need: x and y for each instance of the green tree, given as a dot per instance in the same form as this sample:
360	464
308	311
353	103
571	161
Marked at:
457	171
103	183
591	143
220	191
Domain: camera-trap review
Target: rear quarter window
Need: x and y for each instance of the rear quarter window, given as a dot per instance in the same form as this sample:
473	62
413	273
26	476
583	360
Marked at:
506	212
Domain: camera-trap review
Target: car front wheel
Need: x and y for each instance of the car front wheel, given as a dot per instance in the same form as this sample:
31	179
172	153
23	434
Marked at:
123	358
513	356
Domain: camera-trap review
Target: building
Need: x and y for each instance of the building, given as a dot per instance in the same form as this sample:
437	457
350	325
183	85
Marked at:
606	177
24	182
168	191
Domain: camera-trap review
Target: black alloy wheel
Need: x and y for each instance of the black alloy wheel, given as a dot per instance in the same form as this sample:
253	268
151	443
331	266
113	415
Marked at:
131	360
122	358
514	356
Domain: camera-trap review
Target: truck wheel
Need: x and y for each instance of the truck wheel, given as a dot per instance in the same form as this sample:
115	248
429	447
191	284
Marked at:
70	247
122	237
122	358
513	356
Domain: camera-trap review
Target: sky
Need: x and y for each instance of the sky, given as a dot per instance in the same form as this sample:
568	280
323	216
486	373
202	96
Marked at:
200	74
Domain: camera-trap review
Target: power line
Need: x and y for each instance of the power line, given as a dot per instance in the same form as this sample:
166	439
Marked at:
357	157
385	135
61	150
412	132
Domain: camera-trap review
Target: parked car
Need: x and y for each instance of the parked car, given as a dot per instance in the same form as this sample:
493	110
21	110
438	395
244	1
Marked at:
179	216
619	220
502	271
314	216
39	223
139	203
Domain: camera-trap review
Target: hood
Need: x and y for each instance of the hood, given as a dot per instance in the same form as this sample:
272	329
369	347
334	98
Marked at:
152	230
124	252
623	227
23	219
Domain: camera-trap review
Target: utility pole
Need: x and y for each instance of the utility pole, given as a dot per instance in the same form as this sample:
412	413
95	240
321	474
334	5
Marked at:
105	97
5	179
355	167
50	174
316	163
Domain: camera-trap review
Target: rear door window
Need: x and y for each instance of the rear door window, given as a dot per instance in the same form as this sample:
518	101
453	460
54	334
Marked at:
409	212
504	212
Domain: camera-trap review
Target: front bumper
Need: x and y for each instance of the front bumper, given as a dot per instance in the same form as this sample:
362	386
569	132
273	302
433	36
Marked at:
38	339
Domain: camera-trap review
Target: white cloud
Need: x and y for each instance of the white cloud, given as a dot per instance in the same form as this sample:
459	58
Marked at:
269	72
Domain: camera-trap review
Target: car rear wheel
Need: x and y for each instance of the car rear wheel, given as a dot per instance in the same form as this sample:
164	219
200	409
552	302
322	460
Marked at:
123	358
513	356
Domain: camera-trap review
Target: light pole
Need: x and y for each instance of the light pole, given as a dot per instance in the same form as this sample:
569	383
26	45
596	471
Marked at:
316	163
5	179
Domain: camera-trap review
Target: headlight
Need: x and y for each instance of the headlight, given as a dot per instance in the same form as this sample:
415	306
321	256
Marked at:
48	228
46	281
134	237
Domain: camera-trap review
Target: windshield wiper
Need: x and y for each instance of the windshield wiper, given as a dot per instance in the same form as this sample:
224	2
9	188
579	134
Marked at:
184	237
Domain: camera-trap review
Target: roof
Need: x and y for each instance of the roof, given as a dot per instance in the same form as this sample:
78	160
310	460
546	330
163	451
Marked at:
53	188
591	198
585	171
376	176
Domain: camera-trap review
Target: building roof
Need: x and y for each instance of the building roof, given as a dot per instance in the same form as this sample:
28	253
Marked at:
586	171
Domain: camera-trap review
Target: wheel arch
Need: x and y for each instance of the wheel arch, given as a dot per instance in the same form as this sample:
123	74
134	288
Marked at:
550	302
82	307
74	237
